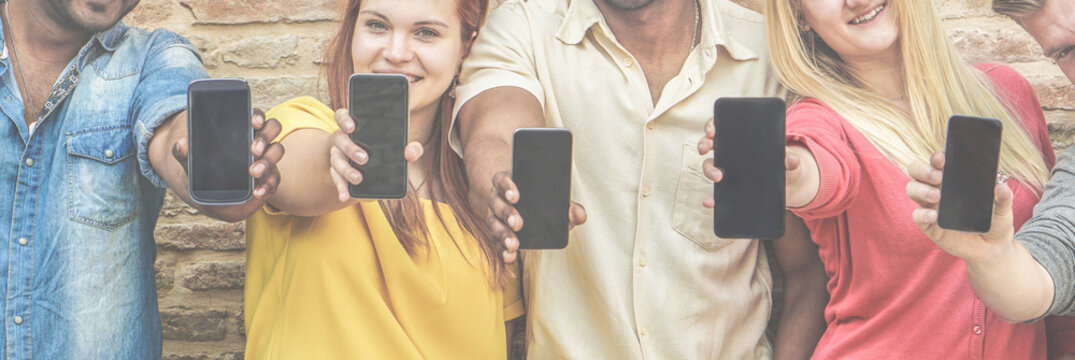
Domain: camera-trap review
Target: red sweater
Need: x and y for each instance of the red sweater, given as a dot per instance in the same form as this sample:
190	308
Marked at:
894	293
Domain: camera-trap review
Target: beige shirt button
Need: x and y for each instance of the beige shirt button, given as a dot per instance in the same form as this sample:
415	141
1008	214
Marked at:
18	320
627	62
651	125
642	331
642	260
109	154
23	241
29	162
708	53
646	191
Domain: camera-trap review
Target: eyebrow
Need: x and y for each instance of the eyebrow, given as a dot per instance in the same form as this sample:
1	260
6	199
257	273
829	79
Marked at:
423	22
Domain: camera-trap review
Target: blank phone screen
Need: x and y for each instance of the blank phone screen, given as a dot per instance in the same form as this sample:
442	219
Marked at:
970	173
378	105
219	116
749	147
541	169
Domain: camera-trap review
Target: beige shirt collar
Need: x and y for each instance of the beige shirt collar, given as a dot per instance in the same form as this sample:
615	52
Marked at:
582	15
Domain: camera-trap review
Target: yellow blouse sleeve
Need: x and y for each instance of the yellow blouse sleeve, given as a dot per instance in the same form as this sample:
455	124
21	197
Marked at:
513	295
302	113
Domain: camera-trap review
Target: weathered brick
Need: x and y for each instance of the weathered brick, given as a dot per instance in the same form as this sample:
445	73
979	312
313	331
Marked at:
230	355
1054	92
164	274
260	52
149	13
174	206
269	92
209	50
226	12
1000	45
185	324
242	321
964	8
212	236
206	275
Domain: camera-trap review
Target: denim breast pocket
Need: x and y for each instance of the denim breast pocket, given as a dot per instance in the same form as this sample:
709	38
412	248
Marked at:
102	177
689	217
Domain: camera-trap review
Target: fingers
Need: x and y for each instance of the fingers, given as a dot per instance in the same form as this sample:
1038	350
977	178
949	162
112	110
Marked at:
413	151
791	161
924	173
344	121
265	172
711	171
926	219
1002	201
501	231
262	138
341	165
709	202
926	196
937	160
337	179
179	151
576	215
257	119
705	144
349	149
505	187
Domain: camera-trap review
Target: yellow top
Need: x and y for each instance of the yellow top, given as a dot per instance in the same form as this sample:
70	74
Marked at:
341	286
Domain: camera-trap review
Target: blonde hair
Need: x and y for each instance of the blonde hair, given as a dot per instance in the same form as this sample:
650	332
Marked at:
1017	8
938	84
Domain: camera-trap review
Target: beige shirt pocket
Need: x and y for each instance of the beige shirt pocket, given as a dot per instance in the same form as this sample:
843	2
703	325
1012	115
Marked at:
689	217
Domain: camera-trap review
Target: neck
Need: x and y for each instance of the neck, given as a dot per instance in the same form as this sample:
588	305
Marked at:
39	36
420	129
652	26
882	73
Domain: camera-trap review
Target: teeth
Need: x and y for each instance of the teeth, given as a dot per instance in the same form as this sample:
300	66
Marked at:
867	17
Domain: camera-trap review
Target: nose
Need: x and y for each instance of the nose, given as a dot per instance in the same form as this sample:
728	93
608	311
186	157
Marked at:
399	49
858	4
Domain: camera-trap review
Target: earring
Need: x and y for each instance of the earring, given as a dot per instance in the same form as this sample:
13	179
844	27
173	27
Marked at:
451	89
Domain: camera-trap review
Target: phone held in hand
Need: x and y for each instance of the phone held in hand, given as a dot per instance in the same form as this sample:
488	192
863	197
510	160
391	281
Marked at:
218	126
749	147
378	105
541	170
972	152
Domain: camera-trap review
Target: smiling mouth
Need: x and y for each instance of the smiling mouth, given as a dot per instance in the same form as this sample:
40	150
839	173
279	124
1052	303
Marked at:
869	16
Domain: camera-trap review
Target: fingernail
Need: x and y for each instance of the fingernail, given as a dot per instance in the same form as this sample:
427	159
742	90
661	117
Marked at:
259	192
510	194
512	220
353	176
259	168
361	156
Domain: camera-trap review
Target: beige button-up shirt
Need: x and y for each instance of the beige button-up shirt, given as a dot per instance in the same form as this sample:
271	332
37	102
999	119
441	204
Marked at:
645	277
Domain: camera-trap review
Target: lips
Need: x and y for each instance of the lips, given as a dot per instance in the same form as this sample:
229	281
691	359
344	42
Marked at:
865	18
411	78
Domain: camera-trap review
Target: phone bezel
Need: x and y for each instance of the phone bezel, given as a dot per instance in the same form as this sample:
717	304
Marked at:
523	132
944	222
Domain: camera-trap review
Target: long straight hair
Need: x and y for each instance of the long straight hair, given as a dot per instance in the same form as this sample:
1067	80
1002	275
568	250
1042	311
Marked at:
447	179
939	83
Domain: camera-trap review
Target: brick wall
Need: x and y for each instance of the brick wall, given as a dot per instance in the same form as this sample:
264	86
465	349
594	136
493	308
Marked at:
277	46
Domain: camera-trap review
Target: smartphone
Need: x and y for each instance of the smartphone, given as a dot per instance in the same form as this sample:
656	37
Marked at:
541	170
378	105
219	130
749	146
972	152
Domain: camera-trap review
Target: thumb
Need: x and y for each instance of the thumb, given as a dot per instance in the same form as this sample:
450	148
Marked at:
179	152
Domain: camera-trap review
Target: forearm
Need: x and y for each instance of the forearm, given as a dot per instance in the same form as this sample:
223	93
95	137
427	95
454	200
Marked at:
1014	285
487	124
306	188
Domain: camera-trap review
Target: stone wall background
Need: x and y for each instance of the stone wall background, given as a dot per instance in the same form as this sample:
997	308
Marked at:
277	47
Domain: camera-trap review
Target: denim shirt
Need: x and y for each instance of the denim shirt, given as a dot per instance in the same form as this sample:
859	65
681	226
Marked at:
79	200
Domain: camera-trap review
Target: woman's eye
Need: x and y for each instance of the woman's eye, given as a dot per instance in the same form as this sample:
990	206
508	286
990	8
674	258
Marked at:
1064	53
427	33
376	25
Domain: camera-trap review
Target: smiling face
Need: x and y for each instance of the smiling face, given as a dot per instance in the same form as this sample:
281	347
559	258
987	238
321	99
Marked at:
88	15
420	39
1054	28
855	29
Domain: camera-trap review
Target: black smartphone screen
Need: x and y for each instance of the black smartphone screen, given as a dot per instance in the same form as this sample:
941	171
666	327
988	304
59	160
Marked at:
971	152
218	122
541	169
378	105
749	146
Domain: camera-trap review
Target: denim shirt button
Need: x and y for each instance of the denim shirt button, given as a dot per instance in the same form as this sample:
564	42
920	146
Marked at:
29	162
18	320
23	241
109	153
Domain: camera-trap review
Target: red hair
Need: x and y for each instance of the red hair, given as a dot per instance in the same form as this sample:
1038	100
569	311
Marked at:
446	173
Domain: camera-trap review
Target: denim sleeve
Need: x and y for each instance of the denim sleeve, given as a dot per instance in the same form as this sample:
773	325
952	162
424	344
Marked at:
171	64
1049	236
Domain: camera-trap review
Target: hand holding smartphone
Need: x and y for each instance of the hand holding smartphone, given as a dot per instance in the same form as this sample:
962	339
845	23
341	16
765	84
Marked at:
749	147
972	152
378	105
218	124
541	170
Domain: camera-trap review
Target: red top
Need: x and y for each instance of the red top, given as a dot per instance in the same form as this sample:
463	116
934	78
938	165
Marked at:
894	293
